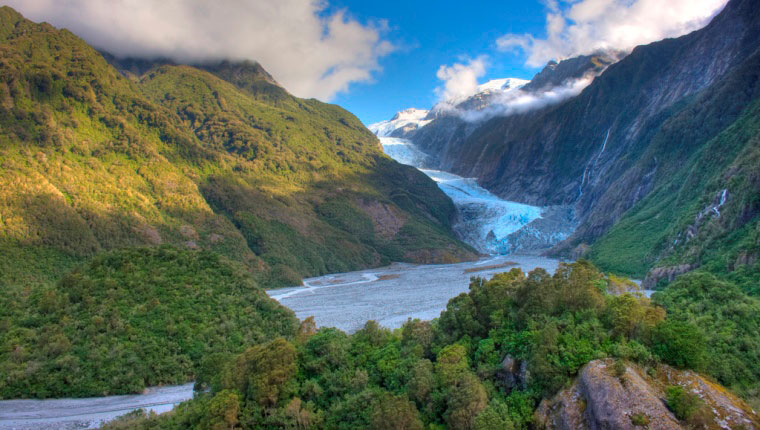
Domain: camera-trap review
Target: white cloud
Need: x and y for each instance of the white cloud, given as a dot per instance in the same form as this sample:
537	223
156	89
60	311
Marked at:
460	80
581	27
518	101
309	51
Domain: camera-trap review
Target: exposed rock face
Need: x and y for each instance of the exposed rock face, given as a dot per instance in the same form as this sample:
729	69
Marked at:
514	373
386	220
599	399
668	273
629	131
556	74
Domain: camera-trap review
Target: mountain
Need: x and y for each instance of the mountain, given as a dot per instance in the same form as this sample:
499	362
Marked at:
402	124
94	161
219	178
642	154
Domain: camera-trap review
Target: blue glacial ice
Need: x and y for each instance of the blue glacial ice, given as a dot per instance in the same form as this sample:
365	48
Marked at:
485	220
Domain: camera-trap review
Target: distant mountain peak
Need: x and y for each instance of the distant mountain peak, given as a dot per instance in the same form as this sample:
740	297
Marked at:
557	73
402	123
501	84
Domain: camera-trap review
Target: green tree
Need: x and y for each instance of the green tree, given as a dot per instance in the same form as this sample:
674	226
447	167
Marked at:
391	412
223	411
263	372
683	403
465	399
679	343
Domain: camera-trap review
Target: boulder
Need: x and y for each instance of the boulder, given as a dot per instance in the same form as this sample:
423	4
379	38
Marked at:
599	399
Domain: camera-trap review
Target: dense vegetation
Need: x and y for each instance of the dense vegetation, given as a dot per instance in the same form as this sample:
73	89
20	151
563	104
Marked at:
93	161
449	373
98	170
131	319
729	323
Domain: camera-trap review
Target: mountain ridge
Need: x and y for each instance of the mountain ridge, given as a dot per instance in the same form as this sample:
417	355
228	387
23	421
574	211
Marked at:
604	150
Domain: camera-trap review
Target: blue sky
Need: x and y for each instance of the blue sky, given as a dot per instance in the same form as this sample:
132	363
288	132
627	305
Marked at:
373	57
430	34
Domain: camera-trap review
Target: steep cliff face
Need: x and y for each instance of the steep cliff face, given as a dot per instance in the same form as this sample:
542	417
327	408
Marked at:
625	136
629	397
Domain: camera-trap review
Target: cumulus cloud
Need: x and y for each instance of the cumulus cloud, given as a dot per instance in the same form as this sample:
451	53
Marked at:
582	27
460	80
309	50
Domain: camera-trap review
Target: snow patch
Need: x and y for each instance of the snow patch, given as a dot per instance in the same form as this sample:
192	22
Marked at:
404	118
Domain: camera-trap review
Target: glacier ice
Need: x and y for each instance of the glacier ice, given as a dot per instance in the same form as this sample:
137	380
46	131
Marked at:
485	220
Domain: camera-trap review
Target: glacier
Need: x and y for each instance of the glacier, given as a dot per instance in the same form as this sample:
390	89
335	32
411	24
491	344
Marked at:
485	220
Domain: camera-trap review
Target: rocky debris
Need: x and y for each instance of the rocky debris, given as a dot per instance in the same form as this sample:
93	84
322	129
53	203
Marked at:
600	399
215	238
150	234
744	259
580	251
448	255
669	273
555	225
386	220
188	232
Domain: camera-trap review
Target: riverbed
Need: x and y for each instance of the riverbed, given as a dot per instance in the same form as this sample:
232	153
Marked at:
391	295
86	413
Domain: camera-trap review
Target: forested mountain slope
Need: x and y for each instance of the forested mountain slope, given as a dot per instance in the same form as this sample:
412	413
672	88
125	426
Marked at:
141	217
93	161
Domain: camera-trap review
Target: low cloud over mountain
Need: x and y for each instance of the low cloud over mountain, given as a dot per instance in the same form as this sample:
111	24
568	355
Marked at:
312	51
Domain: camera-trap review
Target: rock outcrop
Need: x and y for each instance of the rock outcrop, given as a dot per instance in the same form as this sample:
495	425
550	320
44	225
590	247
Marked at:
603	398
664	273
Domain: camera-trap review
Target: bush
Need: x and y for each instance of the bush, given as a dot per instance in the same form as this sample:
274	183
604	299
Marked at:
682	403
680	344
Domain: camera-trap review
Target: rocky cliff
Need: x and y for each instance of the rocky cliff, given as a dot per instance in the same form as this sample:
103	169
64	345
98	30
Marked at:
673	119
625	396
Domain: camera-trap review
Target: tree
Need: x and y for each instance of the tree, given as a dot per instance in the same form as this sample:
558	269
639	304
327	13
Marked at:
262	372
223	411
679	343
495	416
451	364
391	412
465	400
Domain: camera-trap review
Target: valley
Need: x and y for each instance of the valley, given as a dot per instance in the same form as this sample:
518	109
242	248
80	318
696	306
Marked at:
183	232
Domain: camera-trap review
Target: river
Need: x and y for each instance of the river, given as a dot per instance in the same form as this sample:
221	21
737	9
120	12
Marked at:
390	295
86	413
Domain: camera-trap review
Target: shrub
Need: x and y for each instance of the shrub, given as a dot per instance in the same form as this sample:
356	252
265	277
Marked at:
682	403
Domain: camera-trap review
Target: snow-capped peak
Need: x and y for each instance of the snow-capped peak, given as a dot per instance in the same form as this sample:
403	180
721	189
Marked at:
407	119
501	84
411	114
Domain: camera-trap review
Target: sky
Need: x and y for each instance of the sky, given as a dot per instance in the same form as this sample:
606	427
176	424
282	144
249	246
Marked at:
374	58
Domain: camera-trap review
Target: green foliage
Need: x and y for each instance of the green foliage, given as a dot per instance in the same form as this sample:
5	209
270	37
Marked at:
221	159
709	143
420	376
728	322
134	318
640	419
679	344
682	403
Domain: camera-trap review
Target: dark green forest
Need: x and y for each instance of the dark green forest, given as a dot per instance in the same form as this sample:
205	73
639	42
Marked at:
448	373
